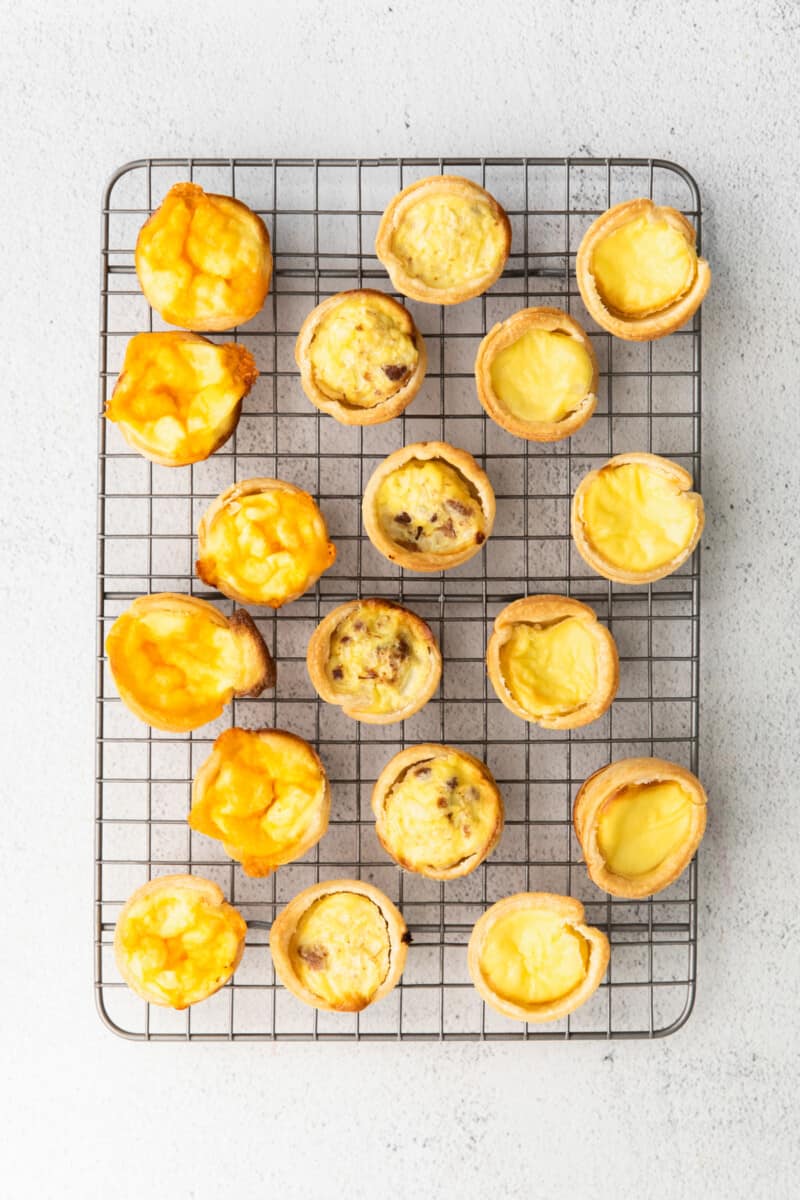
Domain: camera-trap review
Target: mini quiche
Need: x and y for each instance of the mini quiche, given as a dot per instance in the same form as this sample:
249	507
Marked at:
635	519
638	271
179	396
438	811
379	662
339	945
177	941
443	240
264	794
428	506
203	261
263	541
639	822
537	375
177	661
552	662
532	958
361	357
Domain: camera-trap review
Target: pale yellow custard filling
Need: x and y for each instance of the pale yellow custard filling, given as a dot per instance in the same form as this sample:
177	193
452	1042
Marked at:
340	949
636	518
550	669
446	241
360	355
374	656
542	376
428	506
643	266
439	813
642	825
533	957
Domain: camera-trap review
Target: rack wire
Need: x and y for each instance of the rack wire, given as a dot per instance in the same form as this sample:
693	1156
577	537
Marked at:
322	216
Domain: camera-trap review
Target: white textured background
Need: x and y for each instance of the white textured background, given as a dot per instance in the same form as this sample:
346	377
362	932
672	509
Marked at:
711	1111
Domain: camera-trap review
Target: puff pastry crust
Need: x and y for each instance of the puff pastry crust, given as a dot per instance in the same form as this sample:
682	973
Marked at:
527	947
655	830
203	261
443	240
375	659
339	945
264	794
641	325
263	541
362	359
428	507
438	811
560	361
177	941
635	519
552	662
177	660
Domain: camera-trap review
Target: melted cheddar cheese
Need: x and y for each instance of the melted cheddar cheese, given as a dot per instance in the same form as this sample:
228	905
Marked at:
376	657
261	796
550	669
543	376
533	957
340	950
361	354
428	506
637	518
447	241
643	266
642	825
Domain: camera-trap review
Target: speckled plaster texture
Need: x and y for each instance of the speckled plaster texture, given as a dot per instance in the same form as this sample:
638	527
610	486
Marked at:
712	1111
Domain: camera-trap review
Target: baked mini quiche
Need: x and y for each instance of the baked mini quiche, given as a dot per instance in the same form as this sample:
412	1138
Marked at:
179	396
639	822
537	375
533	959
263	541
438	811
361	357
379	662
264	794
339	945
638	270
552	662
203	261
177	661
177	941
443	240
428	506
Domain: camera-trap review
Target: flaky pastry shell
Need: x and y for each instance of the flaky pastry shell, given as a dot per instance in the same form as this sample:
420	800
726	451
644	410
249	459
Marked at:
572	912
499	337
545	610
653	325
600	787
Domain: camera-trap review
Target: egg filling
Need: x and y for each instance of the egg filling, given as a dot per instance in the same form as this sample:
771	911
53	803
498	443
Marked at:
643	266
543	376
261	795
445	241
374	657
642	825
550	669
340	950
428	506
636	518
361	355
533	957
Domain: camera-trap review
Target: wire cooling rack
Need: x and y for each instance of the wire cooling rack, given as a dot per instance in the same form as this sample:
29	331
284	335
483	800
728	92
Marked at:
322	216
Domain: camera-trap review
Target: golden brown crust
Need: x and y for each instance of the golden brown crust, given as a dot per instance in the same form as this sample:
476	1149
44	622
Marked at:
652	325
573	914
605	783
466	466
552	320
544	610
318	652
261	670
340	410
594	559
408	284
391	774
285	924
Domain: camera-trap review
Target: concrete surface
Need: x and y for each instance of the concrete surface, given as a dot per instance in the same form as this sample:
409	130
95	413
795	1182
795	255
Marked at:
711	1111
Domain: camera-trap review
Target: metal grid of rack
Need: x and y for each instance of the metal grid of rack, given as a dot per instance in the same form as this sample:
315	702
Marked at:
322	216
